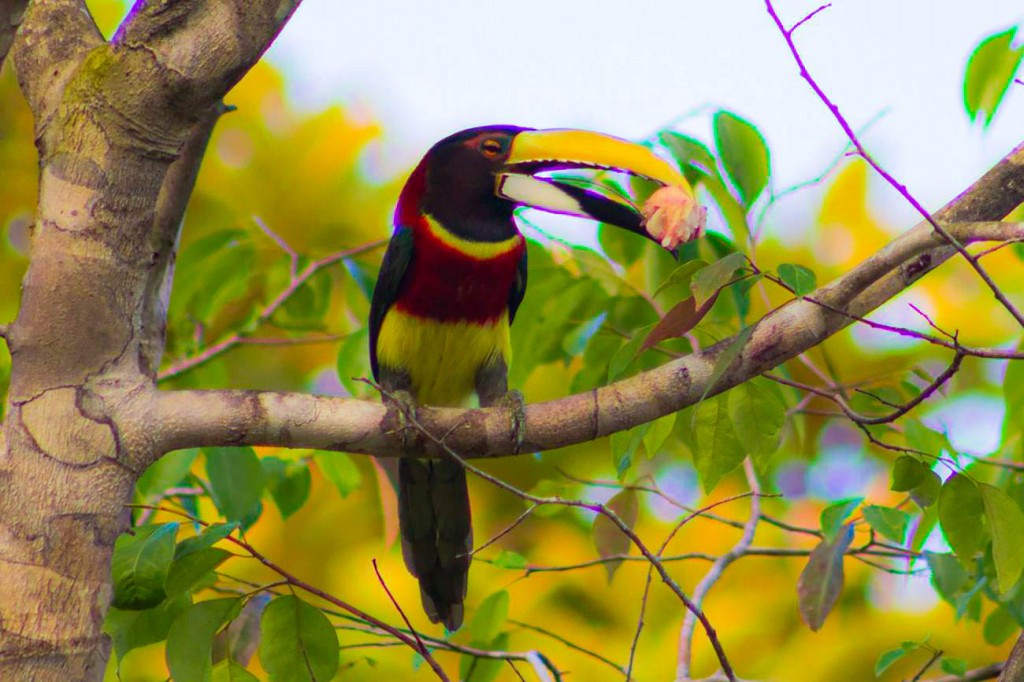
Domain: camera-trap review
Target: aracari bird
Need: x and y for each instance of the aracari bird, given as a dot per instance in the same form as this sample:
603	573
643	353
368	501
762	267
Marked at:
452	278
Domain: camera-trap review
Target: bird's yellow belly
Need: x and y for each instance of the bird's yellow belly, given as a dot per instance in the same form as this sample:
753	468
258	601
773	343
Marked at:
441	358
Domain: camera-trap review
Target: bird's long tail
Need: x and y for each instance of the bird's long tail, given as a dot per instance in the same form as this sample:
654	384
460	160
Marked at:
437	534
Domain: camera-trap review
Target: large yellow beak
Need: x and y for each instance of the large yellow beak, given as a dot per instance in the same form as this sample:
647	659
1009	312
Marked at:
539	151
564	148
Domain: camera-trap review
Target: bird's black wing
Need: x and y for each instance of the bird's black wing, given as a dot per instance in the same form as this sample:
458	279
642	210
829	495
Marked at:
518	290
396	261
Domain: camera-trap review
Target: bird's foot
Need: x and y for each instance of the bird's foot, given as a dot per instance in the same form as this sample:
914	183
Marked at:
514	402
401	413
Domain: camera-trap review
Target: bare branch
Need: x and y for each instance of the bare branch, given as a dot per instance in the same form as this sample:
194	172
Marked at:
422	648
197	418
1013	669
715	572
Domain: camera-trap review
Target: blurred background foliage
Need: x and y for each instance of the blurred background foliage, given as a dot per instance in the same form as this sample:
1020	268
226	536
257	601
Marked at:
247	313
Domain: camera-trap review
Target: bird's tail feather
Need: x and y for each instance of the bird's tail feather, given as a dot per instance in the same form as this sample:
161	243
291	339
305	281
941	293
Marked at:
437	534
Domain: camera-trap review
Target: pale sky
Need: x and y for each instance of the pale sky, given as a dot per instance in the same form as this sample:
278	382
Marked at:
426	69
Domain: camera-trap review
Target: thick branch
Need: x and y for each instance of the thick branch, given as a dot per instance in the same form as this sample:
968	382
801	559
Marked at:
1013	669
54	38
200	49
192	418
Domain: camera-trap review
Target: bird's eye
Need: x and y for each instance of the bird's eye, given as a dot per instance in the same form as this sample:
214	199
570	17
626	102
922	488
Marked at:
491	147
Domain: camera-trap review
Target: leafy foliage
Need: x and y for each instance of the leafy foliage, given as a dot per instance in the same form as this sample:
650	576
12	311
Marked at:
990	70
590	317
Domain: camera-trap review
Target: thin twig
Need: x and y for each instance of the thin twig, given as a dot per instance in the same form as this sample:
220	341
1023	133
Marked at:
508	529
936	655
650	569
862	151
380	579
295	282
716	571
569	644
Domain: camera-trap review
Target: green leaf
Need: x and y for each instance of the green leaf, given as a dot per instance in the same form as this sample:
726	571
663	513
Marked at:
511	560
339	470
236	481
490	617
717	449
1013	395
887	658
990	71
353	362
682	276
132	629
927	491
239	640
659	431
307	306
726	357
210	536
798	278
623	358
191	638
707	281
166	472
887	522
822	579
288	483
688	151
229	671
948	576
188	569
744	155
834	516
624	444
608	538
473	669
907	474
922	437
621	246
1006	523
298	642
999	626
960	515
953	666
140	564
758	413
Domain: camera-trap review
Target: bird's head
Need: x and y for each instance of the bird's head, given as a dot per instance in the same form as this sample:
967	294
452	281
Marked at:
472	182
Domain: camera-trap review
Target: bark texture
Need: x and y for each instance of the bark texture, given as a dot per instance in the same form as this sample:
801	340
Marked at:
120	130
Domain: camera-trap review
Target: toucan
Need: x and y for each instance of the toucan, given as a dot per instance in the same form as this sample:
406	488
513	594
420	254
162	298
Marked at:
452	278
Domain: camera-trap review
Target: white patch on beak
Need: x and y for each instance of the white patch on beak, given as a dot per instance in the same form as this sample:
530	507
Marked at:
530	191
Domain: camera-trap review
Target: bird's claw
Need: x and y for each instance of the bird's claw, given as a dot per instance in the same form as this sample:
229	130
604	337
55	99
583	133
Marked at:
402	406
514	402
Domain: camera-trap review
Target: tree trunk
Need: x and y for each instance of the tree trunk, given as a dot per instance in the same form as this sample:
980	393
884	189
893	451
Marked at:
120	132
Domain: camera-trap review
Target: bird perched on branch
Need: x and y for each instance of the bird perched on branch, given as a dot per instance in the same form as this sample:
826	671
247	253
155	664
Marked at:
452	278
